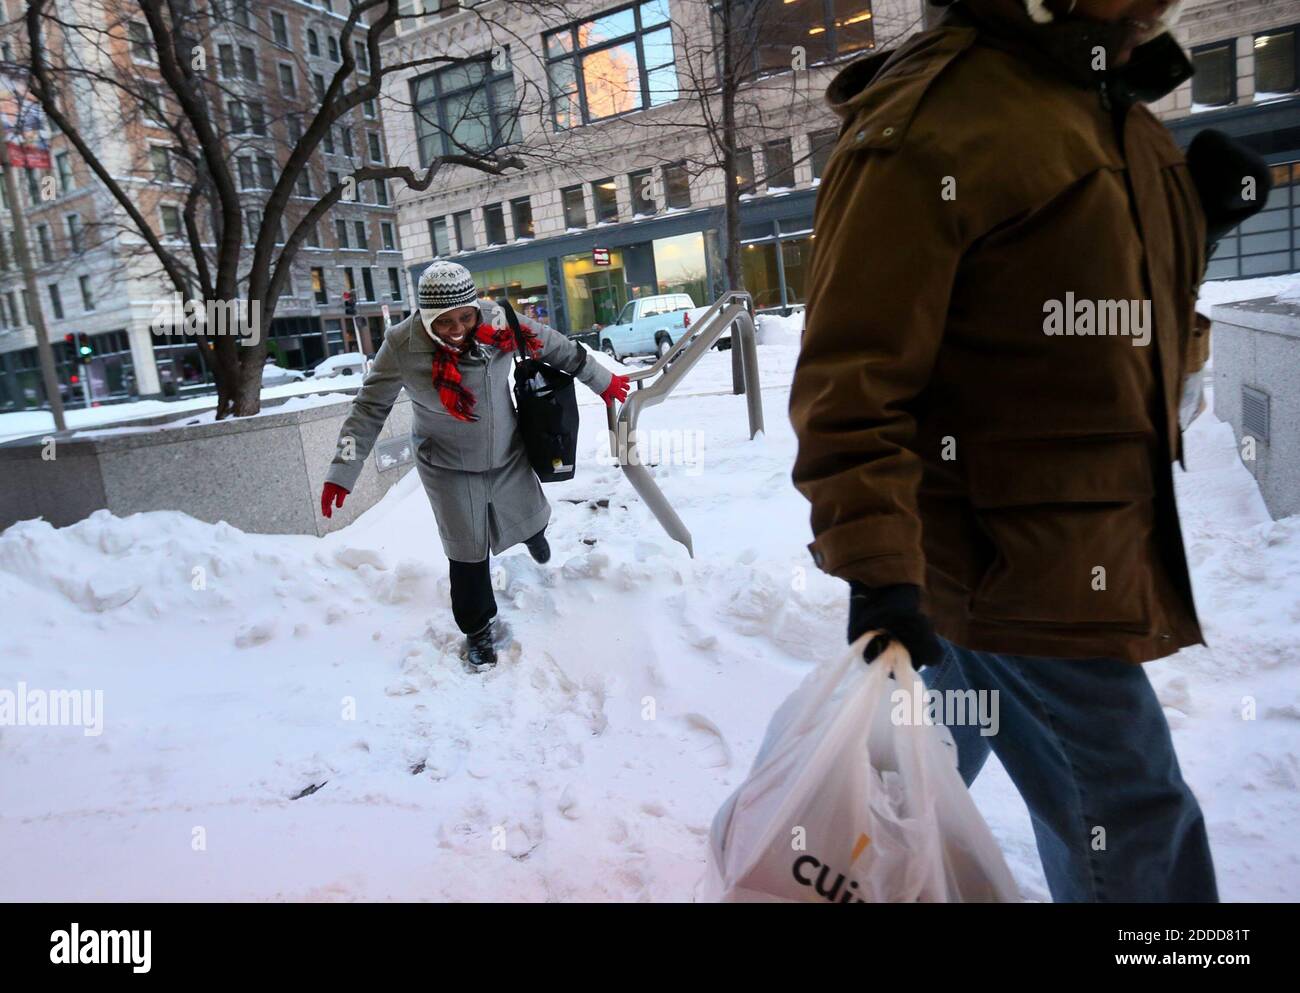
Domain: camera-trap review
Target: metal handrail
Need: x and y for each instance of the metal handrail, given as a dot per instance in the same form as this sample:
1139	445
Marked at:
733	309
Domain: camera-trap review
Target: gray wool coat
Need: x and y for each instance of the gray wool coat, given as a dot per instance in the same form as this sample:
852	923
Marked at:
483	492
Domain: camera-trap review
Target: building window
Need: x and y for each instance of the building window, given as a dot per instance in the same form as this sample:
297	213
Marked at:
87	295
1275	61
327	140
642	184
494	219
73	222
376	151
369	110
438	240
521	212
395	283
266	172
313	43
360	228
253	222
141	41
604	196
248	63
467	107
341	233
171	221
293	128
318	285
63	165
368	282
313	236
288	85
612	64
332	46
677	185
226	61
246	181
464	231
820	146
56	301
362	55
151	102
575	211
279	29
304	183
386	231
778	164
823	29
1215	81
346	134
46	243
381	192
161	160
746	180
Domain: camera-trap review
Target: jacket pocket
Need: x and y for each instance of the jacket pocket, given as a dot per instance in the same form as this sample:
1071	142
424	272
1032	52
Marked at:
1069	522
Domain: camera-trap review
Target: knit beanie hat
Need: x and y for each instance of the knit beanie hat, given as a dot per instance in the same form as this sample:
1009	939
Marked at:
444	286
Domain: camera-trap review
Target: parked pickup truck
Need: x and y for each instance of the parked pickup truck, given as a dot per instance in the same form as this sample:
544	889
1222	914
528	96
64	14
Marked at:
649	325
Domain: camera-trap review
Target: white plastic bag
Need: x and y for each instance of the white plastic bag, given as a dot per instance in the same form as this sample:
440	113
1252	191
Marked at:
846	805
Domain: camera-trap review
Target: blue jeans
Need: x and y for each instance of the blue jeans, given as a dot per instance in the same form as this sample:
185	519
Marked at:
1087	745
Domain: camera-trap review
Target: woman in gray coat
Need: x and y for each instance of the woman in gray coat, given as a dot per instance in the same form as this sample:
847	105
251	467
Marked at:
454	358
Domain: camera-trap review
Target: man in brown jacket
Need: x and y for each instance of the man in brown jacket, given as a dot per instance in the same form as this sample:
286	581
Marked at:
1001	320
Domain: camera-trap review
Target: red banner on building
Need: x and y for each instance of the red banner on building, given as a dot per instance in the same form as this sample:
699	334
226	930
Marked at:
28	156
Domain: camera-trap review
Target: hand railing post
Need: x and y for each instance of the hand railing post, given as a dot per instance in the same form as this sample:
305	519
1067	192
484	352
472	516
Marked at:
734	309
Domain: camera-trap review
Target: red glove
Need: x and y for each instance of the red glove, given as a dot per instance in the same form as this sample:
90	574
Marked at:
332	496
616	390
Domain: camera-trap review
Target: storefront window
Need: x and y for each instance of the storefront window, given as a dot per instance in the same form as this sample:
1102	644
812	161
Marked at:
680	266
759	271
795	255
523	285
595	293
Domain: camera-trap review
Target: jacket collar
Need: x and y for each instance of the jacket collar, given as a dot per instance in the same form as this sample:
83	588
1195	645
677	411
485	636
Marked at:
1069	47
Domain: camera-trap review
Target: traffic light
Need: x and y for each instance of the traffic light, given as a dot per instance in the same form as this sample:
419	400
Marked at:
85	349
349	303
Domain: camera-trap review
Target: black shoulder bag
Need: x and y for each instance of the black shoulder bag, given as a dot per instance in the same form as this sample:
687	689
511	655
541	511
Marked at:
548	410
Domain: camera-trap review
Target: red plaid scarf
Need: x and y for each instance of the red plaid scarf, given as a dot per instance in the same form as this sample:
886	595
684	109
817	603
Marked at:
458	400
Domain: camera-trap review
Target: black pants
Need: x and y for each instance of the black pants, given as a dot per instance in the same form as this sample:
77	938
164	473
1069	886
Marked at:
472	601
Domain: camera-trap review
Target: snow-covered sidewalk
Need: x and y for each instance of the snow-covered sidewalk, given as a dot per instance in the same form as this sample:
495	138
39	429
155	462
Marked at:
240	672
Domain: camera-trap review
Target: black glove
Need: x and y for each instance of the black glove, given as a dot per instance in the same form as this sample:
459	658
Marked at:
1219	167
895	610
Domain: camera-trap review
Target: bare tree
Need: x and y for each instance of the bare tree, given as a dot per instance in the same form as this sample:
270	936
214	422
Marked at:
73	49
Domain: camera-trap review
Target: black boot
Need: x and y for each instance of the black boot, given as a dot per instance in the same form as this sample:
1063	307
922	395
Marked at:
481	653
539	548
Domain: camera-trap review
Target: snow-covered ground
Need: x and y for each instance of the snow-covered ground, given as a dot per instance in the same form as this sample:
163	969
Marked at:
240	671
